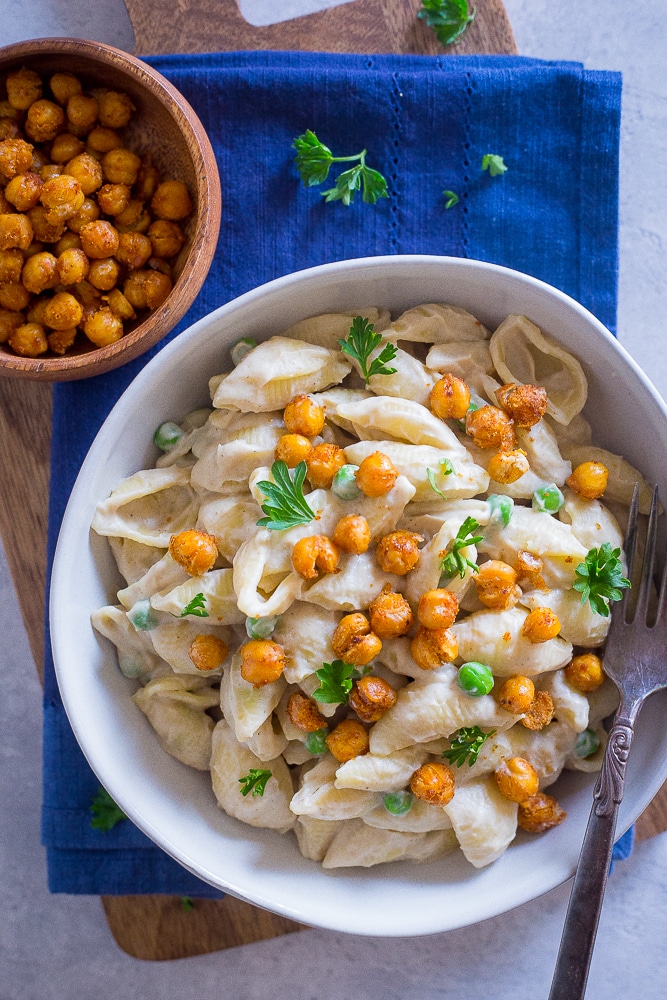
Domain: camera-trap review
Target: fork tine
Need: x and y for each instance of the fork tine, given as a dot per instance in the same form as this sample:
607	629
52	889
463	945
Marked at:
619	609
648	562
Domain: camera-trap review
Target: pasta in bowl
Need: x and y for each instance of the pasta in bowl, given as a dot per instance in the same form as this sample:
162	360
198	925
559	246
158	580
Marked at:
351	595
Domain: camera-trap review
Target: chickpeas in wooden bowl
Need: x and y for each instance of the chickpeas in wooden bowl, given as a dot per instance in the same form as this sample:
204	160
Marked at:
109	208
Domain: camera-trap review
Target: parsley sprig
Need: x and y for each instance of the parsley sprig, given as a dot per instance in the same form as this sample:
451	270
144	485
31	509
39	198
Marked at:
494	164
465	744
451	198
454	561
254	781
447	470
196	607
285	505
336	680
314	160
105	812
360	344
448	18
600	578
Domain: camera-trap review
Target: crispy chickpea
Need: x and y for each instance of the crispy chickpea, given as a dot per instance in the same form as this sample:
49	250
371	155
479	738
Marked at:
496	585
431	647
120	166
434	783
353	640
119	304
526	404
43	230
437	609
68	241
9	322
23	191
589	479
517	779
352	534
89	212
171	201
35	247
102	326
349	739
104	273
113	198
65	147
314	555
44	120
584	672
87	171
540	625
195	551
24	87
292	449
490	427
539	813
540	712
15	158
62	198
15	232
390	614
167	238
36	311
29	340
134	250
371	697
40	272
99	239
262	662
130	219
14	297
72	266
50	170
102	140
450	397
207	651
63	86
376	475
60	341
82	111
115	109
146	289
302	415
9	129
398	552
304	713
530	568
516	694
39	160
5	206
11	262
323	463
508	466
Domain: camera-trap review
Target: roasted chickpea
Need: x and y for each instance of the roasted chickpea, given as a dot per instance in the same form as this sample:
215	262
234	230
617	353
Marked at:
539	813
134	250
584	672
9	322
14	297
352	534
437	609
15	232
130	219
89	212
171	201
65	147
113	198
102	140
304	713
314	555
87	171
50	170
302	415
262	662
490	427
72	266
44	120
40	272
15	158
120	166
11	262
530	568
398	552
23	191
9	129
496	585
354	642
102	326
62	198
63	86
540	712
148	179
526	404
349	739
115	109
29	340
167	238
540	625
104	273
323	463
390	614
82	111
146	289
207	651
292	449
516	694
60	341
508	466
431	647
119	304
371	697
376	475
450	397
24	87
195	551
516	779
434	783
99	239
36	311
68	241
589	479
62	312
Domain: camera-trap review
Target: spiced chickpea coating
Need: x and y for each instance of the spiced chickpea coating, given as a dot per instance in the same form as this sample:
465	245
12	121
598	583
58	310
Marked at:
390	614
371	697
434	783
262	661
589	479
349	739
44	120
352	534
431	647
101	326
584	672
302	415
539	813
304	713
29	340
450	397
526	404
438	608
313	555
540	712
354	641
171	201
15	158
490	427
376	475
540	625
24	87
398	552
495	582
516	779
207	652
292	449
507	467
516	694
195	551
323	463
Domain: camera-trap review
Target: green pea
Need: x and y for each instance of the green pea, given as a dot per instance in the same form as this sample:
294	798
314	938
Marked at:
261	628
241	348
587	743
548	499
398	803
315	744
501	508
344	484
129	666
142	616
475	678
168	435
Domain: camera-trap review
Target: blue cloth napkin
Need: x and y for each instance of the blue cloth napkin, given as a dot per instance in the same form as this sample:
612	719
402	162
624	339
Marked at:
426	123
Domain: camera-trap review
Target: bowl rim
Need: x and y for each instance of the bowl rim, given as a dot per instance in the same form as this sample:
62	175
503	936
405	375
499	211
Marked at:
530	887
207	222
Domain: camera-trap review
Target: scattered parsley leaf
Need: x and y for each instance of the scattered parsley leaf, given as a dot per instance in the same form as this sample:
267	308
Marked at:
600	578
196	607
286	505
494	164
465	745
454	561
313	161
447	470
361	342
187	904
254	781
105	812
448	18
451	199
336	681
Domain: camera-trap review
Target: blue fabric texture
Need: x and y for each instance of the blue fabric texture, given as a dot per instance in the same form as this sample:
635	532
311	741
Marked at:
426	123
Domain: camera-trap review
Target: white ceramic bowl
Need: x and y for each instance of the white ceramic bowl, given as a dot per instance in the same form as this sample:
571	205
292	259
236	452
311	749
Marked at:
174	805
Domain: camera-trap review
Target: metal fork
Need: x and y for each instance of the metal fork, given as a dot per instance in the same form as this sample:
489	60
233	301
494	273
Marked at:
635	661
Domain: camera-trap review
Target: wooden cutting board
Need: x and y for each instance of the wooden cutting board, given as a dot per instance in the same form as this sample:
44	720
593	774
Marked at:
158	927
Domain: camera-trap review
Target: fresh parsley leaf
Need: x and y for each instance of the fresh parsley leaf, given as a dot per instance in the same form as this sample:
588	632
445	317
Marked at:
465	745
187	904
313	161
286	505
196	607
447	470
254	781
105	812
448	18
454	561
361	342
494	164
451	199
336	681
600	578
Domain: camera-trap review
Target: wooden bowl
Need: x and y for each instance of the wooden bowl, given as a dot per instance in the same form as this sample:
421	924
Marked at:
165	125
